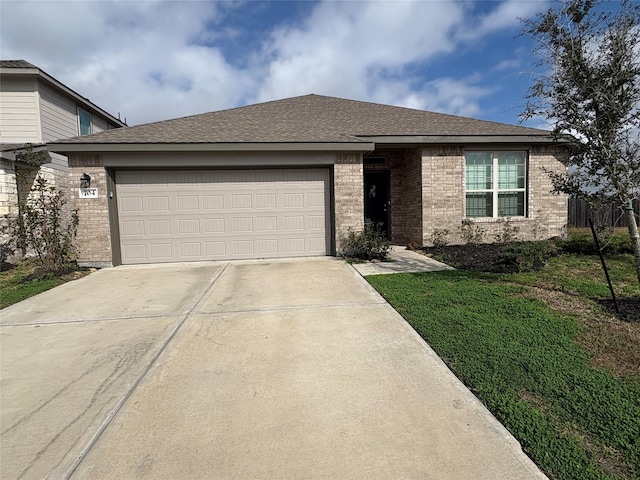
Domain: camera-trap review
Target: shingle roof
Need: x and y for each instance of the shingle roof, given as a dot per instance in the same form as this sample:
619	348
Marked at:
308	118
16	64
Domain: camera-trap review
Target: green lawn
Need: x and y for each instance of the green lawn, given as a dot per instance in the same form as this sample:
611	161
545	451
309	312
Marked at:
523	361
16	284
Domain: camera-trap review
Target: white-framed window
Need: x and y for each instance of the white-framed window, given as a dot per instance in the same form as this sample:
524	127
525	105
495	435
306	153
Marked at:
84	122
496	184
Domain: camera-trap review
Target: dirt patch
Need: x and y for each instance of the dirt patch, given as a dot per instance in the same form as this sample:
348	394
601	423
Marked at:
38	273
611	341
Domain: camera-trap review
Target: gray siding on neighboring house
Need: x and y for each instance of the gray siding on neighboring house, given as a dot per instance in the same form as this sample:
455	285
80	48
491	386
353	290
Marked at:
98	124
58	163
19	113
59	115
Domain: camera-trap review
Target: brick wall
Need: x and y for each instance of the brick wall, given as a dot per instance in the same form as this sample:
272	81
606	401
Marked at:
94	236
442	190
349	201
546	208
412	188
444	195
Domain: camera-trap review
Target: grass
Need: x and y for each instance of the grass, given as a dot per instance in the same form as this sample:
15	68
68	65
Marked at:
583	275
525	345
21	282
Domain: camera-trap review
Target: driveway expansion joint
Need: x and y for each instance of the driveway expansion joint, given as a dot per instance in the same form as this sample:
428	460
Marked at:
92	320
294	307
114	412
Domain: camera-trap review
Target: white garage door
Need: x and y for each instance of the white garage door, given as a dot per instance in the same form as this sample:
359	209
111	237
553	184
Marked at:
190	215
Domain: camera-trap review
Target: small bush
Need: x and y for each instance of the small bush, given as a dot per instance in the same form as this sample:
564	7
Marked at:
508	233
439	237
581	242
7	248
42	229
528	256
471	233
370	244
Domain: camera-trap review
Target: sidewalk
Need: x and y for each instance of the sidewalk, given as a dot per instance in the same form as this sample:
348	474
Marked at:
401	260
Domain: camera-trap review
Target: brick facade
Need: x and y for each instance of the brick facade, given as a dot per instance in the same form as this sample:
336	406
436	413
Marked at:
348	189
94	236
427	192
546	208
442	189
444	196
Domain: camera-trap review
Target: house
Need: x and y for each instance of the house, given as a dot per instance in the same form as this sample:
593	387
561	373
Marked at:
292	177
35	108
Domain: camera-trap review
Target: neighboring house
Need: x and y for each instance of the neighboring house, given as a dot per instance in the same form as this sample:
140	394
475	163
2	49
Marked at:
35	108
293	177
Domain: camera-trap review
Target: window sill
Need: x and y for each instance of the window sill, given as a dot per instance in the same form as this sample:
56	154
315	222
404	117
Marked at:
496	219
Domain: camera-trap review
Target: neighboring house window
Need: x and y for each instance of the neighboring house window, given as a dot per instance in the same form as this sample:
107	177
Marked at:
84	121
496	184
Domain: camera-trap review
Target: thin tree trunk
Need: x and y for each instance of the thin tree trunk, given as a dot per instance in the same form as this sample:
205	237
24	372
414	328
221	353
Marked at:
633	233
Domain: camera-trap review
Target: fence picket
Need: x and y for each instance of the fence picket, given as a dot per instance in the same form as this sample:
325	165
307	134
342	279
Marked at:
609	215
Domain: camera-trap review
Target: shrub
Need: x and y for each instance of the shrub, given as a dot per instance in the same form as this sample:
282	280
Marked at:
528	256
370	244
42	229
508	233
439	237
581	241
471	233
6	250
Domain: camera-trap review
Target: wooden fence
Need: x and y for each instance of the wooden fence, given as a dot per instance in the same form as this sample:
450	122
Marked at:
609	215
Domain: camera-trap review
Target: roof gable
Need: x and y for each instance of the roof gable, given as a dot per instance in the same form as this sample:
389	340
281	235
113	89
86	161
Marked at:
23	68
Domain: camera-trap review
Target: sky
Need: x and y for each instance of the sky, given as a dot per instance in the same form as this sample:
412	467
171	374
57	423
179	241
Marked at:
154	60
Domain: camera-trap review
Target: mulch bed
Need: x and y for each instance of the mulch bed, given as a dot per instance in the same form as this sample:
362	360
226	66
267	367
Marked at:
629	308
479	258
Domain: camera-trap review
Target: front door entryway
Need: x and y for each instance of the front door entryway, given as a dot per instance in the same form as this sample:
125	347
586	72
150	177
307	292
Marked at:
376	200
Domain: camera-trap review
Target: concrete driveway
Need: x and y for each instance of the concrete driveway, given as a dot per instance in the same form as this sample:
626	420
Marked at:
262	369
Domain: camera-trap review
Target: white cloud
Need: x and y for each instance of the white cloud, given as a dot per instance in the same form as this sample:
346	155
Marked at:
139	58
153	60
347	48
505	16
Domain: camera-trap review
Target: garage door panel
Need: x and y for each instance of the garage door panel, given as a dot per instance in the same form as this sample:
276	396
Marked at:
212	202
214	214
135	252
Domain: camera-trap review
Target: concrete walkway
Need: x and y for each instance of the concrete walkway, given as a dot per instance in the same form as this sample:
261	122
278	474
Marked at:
244	370
401	260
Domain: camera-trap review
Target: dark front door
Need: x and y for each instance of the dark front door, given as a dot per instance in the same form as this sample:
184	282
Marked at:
376	200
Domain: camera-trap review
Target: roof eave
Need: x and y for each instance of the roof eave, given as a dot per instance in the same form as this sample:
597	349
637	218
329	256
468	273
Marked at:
61	147
459	139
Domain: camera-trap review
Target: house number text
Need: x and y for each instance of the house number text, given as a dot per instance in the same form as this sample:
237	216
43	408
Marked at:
88	192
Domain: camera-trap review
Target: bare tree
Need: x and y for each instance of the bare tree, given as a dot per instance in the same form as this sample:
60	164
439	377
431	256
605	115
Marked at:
590	94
